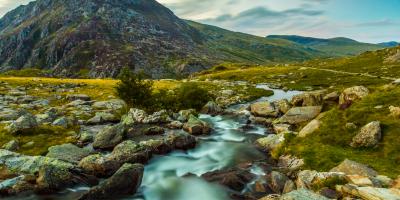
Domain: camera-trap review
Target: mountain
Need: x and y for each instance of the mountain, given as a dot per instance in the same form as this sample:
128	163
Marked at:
389	44
332	47
97	38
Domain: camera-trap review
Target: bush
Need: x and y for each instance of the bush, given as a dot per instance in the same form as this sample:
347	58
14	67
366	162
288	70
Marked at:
134	89
186	96
138	92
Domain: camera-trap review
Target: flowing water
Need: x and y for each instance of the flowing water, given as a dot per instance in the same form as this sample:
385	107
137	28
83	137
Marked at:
228	145
176	176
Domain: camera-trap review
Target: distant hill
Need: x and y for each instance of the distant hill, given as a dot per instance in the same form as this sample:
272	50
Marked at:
332	47
389	44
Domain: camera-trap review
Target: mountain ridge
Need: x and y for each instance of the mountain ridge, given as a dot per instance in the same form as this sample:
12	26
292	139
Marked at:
338	46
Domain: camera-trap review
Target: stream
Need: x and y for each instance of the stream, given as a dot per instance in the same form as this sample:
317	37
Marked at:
227	146
176	176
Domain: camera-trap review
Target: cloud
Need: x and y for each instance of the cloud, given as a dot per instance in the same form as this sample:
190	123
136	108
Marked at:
379	23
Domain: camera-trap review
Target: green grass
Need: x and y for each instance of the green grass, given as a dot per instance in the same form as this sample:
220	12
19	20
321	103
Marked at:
329	146
42	137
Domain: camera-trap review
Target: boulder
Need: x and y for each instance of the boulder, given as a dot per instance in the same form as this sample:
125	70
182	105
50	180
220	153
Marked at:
212	108
23	123
370	193
308	178
116	105
290	163
103	118
276	181
195	126
283	105
159	146
352	94
52	178
23	164
282	128
12	145
270	142
369	135
62	121
9	114
359	180
314	98
68	152
302	194
395	111
264	109
48	117
98	165
289	186
136	116
125	181
353	168
130	152
299	115
73	97
233	178
184	115
175	125
181	141
332	97
109	137
310	128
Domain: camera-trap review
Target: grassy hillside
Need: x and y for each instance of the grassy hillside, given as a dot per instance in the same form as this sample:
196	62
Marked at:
240	47
333	46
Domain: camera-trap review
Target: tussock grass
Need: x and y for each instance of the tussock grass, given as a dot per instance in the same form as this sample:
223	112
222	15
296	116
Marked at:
329	146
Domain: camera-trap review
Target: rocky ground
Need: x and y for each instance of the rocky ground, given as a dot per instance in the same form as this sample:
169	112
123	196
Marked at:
98	142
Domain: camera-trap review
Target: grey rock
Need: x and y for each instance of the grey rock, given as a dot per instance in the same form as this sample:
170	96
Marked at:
13	145
116	105
196	126
352	94
126	181
353	168
270	142
102	118
301	114
212	108
314	98
68	152
109	137
283	105
369	135
23	123
277	181
370	193
302	194
264	109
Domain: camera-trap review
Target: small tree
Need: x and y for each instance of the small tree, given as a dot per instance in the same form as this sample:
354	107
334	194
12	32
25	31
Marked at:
190	95
134	89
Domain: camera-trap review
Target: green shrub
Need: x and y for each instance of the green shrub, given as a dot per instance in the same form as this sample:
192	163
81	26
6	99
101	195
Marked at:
134	89
138	92
190	95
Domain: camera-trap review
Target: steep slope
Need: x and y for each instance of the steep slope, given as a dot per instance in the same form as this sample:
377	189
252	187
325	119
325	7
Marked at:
99	37
332	47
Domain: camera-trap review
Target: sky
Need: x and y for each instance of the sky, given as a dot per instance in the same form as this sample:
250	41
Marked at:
364	20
